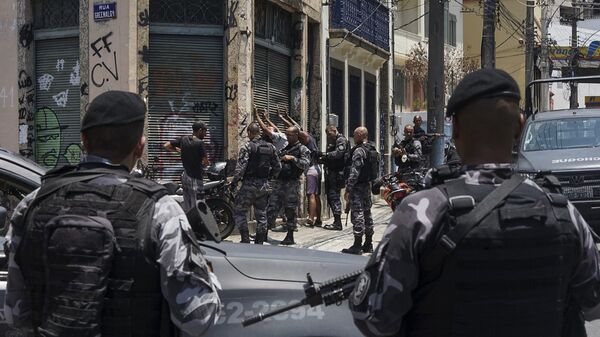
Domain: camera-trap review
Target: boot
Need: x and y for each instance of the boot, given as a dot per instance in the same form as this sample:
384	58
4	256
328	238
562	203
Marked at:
260	238
356	248
337	223
289	238
367	247
245	235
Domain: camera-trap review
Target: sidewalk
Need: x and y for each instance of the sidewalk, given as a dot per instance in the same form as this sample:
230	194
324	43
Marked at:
335	241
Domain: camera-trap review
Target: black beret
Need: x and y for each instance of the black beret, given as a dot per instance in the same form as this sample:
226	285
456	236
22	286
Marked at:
114	108
483	83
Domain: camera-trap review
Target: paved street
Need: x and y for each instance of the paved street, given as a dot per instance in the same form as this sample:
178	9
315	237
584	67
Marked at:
334	241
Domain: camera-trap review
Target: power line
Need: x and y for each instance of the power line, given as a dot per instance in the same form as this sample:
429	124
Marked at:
408	23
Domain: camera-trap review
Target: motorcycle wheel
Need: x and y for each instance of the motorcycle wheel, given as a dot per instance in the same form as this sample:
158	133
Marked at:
223	214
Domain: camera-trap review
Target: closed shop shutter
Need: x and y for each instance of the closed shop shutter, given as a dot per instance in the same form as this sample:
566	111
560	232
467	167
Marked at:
271	82
185	85
57	118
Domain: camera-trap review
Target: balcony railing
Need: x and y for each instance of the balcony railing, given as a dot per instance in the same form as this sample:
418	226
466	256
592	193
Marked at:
370	16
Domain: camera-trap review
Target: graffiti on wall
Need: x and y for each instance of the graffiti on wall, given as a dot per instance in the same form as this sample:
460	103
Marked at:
143	18
26	35
105	69
26	97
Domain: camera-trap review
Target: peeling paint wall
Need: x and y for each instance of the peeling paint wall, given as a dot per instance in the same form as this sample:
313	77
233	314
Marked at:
9	89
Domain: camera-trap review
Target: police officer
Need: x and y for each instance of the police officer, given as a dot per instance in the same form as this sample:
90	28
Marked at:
257	162
96	252
194	158
487	254
359	165
334	159
408	155
295	158
418	130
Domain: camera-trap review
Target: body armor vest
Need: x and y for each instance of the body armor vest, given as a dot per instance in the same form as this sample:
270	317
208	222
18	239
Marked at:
289	170
336	165
509	276
259	163
370	169
409	147
88	258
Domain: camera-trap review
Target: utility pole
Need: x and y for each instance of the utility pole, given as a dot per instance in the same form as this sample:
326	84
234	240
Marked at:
435	80
573	102
529	38
488	38
544	66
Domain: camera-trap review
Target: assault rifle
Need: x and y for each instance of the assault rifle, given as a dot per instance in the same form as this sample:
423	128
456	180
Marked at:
330	292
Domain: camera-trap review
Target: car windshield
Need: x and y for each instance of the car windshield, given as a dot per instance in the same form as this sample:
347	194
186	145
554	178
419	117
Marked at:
559	134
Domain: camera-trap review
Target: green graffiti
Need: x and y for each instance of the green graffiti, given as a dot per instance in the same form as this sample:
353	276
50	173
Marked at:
73	154
47	136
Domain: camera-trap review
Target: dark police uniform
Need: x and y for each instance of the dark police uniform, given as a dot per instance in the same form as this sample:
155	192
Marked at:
286	188
257	162
359	165
413	159
334	179
192	152
95	251
526	269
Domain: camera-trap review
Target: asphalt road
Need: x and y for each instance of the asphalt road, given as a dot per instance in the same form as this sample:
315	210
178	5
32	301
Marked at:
335	241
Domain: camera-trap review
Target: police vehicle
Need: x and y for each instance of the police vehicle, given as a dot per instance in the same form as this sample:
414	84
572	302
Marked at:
254	278
565	143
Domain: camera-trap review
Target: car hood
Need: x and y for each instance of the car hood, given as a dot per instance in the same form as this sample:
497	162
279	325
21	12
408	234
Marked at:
559	160
286	263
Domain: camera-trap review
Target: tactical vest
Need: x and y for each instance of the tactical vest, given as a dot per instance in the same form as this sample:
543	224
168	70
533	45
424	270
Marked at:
370	169
259	163
510	274
410	149
336	165
88	259
289	170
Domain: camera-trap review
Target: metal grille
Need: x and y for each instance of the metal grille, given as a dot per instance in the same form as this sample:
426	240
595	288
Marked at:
271	82
57	116
56	13
273	23
186	85
366	18
199	12
580	186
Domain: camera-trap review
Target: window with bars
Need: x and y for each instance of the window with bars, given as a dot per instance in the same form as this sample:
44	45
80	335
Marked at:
191	12
55	13
273	23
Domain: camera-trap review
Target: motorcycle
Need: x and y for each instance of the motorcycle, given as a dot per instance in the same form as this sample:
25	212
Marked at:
394	187
217	196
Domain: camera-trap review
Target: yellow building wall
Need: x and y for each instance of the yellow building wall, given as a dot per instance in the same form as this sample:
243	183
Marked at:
510	51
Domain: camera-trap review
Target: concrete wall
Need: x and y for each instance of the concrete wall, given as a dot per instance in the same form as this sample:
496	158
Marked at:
9	87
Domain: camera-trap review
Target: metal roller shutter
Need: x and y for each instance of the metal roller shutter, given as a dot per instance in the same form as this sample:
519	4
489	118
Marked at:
185	85
57	117
271	82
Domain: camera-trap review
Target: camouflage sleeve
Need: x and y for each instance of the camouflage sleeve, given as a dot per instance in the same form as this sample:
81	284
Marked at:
275	164
186	282
358	160
585	282
304	161
242	164
341	147
383	293
17	301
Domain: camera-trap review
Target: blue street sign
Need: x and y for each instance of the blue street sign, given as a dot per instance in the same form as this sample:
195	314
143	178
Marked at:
105	11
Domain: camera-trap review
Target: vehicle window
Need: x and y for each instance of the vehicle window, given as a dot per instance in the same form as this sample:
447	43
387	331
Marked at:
10	196
562	134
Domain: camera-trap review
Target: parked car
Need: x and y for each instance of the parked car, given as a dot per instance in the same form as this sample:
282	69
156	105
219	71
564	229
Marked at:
566	143
254	278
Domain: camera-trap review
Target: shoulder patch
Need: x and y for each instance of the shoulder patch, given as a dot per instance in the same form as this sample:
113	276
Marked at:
361	289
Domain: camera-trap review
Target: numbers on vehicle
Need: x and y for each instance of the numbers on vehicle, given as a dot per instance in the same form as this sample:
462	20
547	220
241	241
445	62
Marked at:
284	315
236	316
316	312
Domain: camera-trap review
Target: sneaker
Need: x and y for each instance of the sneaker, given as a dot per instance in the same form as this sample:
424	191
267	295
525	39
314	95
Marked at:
318	223
308	223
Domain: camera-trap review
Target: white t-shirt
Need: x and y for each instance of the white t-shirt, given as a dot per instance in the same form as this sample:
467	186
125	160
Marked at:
279	140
